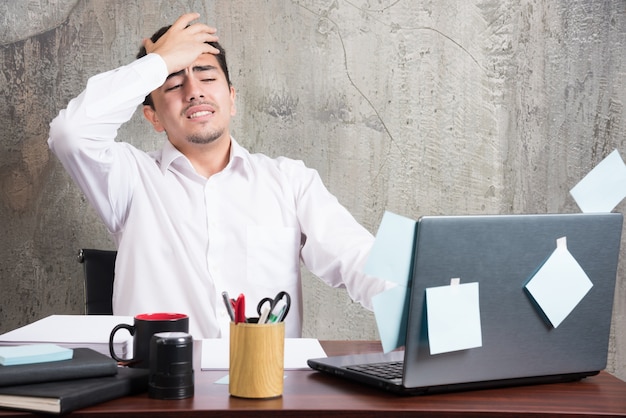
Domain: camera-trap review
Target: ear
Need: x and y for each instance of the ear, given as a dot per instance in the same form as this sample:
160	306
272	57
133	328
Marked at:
233	107
150	114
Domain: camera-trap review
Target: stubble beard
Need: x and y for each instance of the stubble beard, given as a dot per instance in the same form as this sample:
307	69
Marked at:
205	138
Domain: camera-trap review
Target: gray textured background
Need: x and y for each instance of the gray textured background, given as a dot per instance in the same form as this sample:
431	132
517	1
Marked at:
419	107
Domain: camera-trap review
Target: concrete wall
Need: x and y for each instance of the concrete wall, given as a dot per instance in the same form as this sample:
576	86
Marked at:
420	107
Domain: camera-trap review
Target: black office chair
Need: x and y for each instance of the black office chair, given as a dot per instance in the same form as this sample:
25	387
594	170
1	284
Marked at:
99	269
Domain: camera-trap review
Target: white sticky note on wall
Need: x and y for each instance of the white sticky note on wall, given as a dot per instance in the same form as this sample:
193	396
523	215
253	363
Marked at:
604	187
559	285
453	314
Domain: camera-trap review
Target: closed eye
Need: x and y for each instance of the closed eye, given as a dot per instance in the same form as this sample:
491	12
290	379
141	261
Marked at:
173	87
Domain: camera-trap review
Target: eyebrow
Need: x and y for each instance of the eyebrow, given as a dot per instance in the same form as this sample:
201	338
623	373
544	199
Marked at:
197	68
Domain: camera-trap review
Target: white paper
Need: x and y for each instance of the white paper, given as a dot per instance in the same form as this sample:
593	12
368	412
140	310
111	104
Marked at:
216	353
453	314
73	331
559	285
604	187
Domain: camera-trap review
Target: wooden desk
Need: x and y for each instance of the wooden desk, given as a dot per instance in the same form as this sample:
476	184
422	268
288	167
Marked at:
312	394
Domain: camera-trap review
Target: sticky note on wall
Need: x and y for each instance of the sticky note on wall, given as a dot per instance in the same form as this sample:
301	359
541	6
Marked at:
453	314
604	187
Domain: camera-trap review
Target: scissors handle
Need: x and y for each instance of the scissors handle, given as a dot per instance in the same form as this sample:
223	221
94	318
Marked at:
278	308
262	303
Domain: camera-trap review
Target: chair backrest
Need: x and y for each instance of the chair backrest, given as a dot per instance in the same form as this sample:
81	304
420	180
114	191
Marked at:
99	269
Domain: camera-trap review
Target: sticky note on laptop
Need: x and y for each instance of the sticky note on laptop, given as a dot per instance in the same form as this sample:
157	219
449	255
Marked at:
559	284
453	317
33	353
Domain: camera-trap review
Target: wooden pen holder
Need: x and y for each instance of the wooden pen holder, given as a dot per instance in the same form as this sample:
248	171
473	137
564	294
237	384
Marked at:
256	360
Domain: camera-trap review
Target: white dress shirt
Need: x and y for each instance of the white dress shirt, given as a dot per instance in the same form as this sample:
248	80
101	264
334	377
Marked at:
183	239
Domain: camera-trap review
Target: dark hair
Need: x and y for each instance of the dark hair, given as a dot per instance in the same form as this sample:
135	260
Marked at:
221	59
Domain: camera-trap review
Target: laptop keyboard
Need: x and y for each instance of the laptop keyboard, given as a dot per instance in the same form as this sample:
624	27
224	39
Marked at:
390	370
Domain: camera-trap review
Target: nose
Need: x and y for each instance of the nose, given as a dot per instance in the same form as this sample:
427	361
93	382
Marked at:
193	89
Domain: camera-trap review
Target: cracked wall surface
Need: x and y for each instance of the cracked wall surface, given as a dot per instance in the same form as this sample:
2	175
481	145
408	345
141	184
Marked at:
419	107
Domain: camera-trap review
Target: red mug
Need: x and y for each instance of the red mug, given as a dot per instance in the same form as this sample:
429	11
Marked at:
144	327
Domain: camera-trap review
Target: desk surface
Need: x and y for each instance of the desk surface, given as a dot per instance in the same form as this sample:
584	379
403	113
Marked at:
311	394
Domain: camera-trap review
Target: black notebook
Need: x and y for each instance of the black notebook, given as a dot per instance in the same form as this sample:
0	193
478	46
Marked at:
69	395
85	362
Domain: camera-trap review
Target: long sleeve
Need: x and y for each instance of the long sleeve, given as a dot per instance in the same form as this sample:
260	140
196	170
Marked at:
83	135
336	245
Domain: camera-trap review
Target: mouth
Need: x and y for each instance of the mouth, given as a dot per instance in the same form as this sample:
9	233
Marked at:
199	111
199	114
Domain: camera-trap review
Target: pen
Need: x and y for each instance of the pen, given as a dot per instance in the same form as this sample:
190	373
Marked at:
229	306
277	314
240	309
264	314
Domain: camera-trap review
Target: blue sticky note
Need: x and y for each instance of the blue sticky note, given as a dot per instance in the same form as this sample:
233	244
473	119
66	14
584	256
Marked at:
391	313
392	253
390	259
33	353
604	187
559	285
453	316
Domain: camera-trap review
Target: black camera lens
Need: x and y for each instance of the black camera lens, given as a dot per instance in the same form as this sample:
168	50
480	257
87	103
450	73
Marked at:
171	366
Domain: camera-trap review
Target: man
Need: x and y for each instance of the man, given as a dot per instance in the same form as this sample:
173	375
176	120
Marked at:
202	215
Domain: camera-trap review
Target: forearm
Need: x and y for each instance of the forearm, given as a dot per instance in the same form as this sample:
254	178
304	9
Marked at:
336	246
83	135
109	100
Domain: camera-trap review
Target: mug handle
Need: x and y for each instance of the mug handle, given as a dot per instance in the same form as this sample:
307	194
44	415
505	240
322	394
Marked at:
130	329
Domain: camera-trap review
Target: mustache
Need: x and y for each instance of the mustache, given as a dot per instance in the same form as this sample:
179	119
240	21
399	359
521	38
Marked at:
201	103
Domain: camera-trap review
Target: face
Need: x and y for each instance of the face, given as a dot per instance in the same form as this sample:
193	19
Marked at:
194	106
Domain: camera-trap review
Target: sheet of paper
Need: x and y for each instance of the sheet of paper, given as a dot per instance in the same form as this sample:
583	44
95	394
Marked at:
391	313
391	259
453	314
559	284
72	331
392	253
604	187
216	353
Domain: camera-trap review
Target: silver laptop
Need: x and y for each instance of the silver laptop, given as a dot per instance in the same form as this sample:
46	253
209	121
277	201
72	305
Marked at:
519	346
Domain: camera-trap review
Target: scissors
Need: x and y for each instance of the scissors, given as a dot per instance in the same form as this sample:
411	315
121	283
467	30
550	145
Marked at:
274	310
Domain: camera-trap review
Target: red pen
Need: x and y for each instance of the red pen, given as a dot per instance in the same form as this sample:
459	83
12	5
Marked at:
240	309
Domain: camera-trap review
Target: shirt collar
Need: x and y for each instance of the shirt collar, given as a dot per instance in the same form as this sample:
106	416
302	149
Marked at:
172	157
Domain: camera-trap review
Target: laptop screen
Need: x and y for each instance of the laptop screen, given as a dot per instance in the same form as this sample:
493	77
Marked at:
502	253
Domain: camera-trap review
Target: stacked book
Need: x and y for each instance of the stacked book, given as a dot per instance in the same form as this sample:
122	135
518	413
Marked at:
39	376
62	386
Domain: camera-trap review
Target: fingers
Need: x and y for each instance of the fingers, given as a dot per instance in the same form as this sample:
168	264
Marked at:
147	44
184	42
185	22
